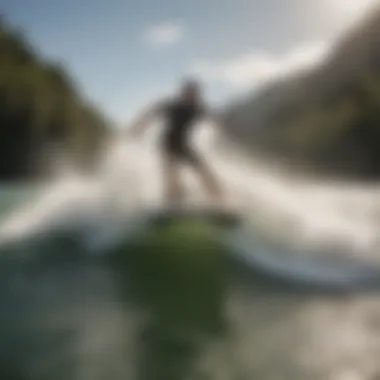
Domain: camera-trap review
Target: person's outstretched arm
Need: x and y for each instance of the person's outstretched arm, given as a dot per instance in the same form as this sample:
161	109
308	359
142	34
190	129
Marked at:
144	120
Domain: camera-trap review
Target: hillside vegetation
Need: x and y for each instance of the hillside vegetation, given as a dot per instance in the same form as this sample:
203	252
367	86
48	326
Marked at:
326	118
41	108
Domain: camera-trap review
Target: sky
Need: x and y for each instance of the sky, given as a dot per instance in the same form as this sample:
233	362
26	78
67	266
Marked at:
126	53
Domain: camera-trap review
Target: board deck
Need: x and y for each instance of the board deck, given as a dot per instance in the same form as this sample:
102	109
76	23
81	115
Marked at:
218	217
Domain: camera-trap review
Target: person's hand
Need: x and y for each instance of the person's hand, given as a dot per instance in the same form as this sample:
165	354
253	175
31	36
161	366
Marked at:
139	126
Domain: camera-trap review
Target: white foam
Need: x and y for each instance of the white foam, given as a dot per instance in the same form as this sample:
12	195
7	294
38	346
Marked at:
309	214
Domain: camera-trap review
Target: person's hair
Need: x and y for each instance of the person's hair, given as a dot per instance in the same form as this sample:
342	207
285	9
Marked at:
191	83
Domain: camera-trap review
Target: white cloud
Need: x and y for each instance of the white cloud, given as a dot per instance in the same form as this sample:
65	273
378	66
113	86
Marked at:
352	11
165	34
255	68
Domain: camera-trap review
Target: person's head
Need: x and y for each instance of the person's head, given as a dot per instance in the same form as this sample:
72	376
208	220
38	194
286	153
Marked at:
191	90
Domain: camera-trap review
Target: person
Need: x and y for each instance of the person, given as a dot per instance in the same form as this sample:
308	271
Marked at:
181	114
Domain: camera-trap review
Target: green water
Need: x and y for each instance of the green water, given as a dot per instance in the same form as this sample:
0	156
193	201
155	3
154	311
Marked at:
169	303
12	198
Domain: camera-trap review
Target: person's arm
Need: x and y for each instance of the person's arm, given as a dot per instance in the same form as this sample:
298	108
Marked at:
144	120
216	120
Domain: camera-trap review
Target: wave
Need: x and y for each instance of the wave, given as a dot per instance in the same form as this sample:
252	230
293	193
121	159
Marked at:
102	211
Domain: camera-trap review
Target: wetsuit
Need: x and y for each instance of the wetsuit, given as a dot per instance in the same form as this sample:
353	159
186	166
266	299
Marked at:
180	117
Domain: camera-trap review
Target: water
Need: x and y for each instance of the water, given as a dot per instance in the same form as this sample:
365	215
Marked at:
88	293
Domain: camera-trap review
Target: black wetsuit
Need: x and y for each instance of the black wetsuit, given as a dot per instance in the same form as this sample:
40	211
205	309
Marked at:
180	117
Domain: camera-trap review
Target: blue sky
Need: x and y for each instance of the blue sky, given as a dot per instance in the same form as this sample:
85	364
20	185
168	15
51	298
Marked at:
125	53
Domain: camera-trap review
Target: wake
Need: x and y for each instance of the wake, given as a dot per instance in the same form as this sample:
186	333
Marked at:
311	223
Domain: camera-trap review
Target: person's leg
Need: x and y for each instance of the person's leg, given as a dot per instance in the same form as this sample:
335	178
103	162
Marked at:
173	190
211	183
208	178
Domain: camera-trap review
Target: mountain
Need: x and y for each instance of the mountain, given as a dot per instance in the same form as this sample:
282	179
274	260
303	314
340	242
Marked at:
41	108
326	118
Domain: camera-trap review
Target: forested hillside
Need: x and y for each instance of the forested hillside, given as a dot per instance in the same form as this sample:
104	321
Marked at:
41	108
326	118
